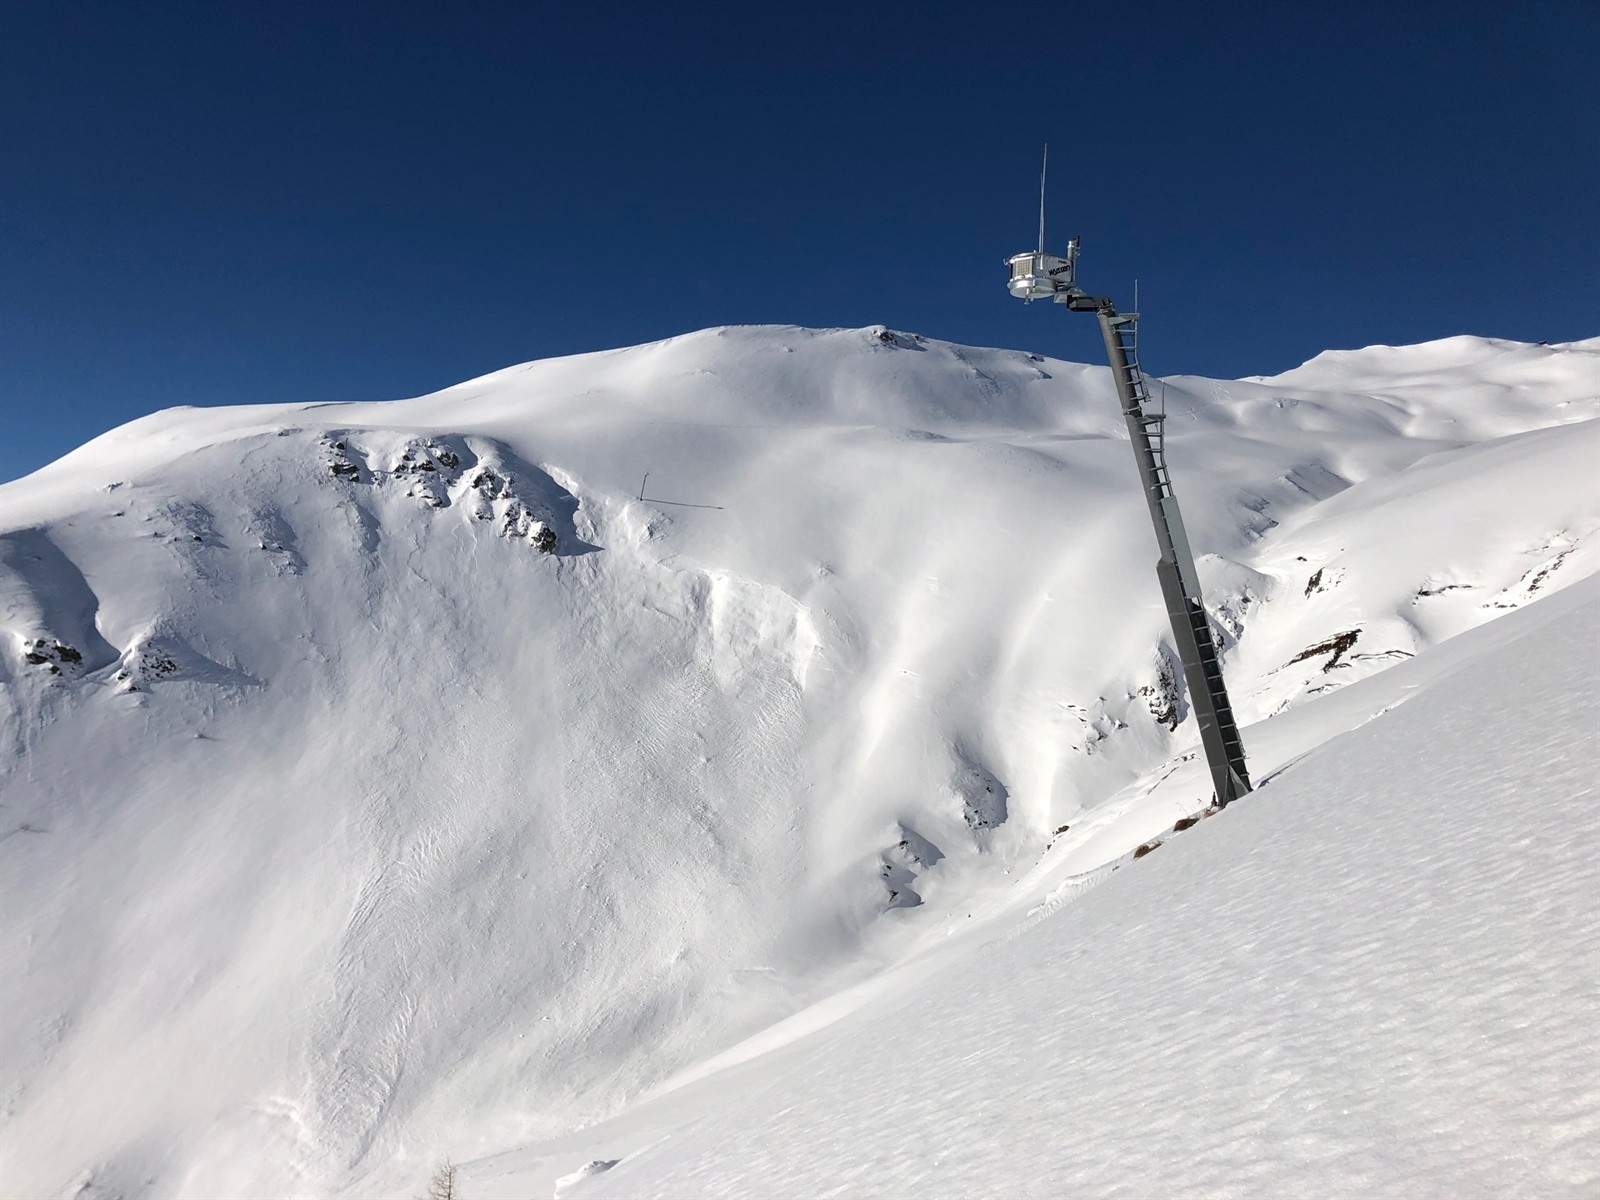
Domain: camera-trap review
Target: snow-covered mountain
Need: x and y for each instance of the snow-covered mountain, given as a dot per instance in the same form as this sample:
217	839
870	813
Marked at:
382	781
1378	978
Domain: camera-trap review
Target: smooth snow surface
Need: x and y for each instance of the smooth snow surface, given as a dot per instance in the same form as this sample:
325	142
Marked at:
344	827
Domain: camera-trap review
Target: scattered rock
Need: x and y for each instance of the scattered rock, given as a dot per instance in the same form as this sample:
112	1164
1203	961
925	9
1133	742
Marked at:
984	799
337	458
50	654
1324	579
437	476
1528	586
1335	647
428	468
156	665
1163	697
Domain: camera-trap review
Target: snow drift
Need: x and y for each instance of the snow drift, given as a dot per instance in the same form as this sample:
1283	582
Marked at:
387	780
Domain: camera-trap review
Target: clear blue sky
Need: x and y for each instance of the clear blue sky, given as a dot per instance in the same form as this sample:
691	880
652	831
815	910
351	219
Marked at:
229	202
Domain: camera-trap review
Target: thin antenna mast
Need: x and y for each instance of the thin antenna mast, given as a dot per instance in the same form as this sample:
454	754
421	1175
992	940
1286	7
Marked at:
1043	167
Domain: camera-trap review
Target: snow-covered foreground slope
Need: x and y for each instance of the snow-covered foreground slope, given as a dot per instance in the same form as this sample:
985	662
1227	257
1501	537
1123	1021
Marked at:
388	780
1377	977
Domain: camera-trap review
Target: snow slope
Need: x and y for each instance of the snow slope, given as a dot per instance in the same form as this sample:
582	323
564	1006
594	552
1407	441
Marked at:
344	826
1378	977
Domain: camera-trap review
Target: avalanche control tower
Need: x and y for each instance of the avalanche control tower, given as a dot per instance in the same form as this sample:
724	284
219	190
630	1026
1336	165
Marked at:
1040	276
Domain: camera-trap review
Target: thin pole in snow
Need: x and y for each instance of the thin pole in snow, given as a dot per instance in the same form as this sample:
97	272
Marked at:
1043	167
674	503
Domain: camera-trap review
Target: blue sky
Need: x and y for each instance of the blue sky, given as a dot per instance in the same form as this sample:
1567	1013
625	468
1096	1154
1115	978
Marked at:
235	203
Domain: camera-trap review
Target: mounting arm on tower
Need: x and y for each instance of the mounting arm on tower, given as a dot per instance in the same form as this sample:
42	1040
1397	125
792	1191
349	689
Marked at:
1040	276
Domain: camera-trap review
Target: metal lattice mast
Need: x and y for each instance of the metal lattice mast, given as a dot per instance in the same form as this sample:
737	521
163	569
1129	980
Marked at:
1039	276
1180	582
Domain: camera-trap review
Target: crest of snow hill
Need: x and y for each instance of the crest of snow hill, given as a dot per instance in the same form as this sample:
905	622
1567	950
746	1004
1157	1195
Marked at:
381	780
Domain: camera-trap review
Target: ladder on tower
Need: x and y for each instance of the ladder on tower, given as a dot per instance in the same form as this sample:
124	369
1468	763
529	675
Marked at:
1211	666
1125	327
1199	648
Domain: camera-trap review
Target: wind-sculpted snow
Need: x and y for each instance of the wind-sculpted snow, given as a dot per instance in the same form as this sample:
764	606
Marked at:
382	781
1375	977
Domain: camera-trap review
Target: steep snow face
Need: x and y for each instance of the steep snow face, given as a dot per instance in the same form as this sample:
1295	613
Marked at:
382	780
1377	976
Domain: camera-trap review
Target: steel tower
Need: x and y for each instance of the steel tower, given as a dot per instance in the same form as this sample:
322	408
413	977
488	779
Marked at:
1041	276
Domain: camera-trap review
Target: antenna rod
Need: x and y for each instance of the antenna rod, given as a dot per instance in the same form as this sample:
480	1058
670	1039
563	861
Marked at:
1043	167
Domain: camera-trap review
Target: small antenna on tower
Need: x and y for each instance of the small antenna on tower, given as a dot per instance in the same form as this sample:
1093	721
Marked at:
1043	167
